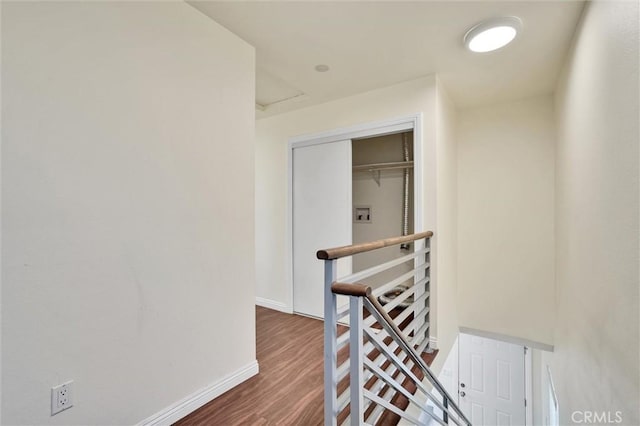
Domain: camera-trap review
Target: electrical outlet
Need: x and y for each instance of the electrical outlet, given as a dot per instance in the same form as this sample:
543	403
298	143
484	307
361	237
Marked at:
61	397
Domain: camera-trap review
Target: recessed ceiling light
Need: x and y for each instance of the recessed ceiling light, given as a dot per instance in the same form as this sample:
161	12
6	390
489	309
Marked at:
322	68
492	34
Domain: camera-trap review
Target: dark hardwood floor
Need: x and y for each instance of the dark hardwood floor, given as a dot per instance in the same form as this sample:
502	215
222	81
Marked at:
289	388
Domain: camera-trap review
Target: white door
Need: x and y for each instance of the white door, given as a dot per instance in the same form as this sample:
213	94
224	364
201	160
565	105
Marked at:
492	381
321	218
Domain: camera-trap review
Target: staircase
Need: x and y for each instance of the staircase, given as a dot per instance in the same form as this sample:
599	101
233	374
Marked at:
376	369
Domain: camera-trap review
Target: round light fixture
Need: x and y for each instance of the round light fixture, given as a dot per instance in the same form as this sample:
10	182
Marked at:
492	34
322	68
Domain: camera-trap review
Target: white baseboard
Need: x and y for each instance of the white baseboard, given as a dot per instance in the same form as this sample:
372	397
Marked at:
272	304
196	400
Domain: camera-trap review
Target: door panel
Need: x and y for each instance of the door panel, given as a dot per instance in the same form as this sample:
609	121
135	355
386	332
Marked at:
321	218
492	386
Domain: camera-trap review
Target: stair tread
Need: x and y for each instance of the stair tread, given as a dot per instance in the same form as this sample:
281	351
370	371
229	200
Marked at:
389	418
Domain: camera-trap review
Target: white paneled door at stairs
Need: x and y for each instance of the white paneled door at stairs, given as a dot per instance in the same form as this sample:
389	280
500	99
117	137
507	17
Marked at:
491	381
321	218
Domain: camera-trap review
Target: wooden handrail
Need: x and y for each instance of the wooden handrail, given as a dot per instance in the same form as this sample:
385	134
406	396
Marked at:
338	252
359	290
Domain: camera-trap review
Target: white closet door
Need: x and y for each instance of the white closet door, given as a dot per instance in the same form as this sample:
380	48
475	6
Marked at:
321	218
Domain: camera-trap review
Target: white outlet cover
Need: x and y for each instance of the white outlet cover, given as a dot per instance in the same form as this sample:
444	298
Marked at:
61	397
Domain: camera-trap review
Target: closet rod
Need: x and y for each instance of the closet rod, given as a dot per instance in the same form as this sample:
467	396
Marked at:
384	166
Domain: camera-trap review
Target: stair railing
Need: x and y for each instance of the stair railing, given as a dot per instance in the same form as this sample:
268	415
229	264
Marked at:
374	371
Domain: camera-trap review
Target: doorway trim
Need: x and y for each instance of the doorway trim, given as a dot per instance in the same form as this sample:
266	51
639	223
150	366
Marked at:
528	385
365	130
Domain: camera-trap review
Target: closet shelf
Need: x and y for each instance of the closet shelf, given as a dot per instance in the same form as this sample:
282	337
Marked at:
383	166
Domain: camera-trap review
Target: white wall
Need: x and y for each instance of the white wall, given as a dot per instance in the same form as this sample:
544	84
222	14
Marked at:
595	365
1	249
450	373
539	387
128	202
444	314
506	219
272	135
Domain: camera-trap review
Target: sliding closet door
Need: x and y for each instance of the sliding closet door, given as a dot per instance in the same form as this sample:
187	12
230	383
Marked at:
321	218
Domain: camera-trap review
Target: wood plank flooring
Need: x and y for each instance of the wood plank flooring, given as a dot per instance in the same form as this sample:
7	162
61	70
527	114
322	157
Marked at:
289	388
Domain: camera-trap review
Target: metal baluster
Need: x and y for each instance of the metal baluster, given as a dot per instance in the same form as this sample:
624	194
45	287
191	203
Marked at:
356	359
445	414
427	287
330	350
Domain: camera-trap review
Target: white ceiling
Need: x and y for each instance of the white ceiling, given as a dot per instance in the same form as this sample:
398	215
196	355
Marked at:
375	44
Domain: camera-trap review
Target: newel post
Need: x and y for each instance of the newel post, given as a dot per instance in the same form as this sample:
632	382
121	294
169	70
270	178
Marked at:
356	358
330	341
